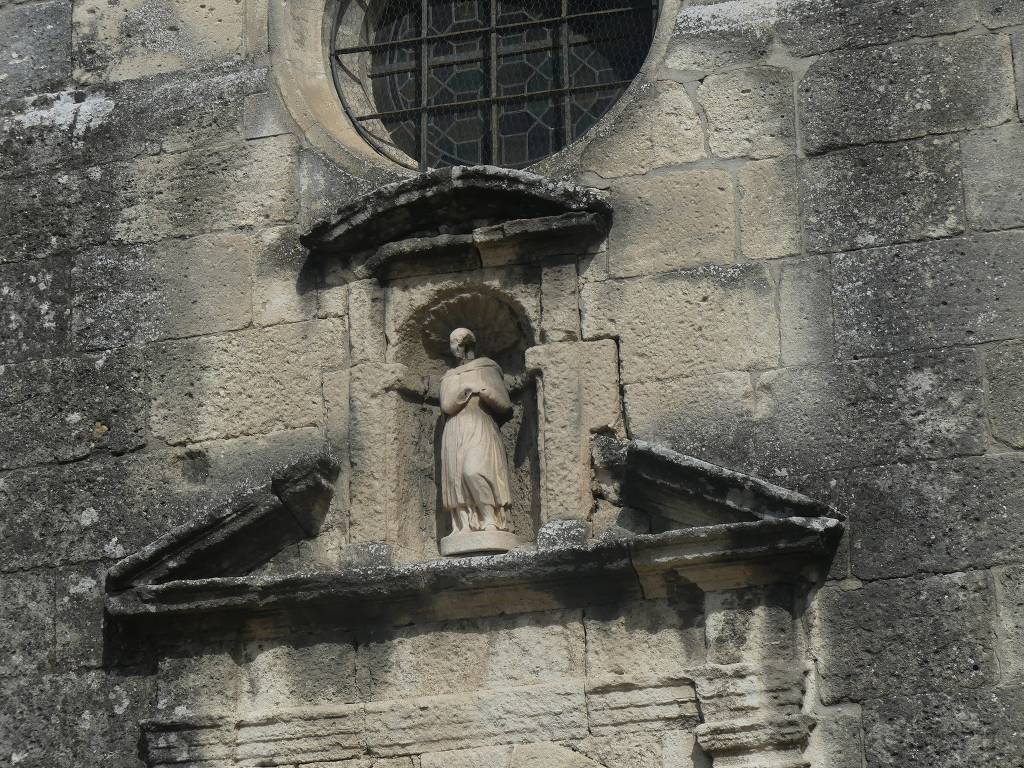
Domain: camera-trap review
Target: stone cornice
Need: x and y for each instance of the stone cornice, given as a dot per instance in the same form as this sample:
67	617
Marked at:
712	558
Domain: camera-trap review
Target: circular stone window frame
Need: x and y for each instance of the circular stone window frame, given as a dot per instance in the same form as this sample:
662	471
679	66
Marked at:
301	37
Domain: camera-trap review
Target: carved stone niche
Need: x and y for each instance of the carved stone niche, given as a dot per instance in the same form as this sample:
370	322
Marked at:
671	647
496	251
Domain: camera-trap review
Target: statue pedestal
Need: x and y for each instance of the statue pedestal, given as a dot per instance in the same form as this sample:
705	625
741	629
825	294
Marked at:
477	543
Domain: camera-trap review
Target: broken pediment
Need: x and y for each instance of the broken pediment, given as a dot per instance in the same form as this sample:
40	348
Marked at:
689	492
725	530
459	218
242	533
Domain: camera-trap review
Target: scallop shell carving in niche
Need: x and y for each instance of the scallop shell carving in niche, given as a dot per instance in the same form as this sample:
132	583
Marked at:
499	327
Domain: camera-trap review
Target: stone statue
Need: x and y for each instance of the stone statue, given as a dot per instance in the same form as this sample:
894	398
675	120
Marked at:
475	485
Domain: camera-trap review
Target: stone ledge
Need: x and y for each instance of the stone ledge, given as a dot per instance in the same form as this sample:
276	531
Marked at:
646	566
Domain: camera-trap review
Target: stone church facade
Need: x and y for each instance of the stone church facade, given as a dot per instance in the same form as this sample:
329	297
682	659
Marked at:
756	301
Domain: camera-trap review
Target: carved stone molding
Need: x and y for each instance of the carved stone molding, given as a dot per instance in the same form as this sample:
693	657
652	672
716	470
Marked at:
719	557
460	218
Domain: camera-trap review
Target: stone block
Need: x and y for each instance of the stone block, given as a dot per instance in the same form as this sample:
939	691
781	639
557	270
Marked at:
336	401
70	719
906	91
65	408
49	213
560	303
965	290
138	38
671	221
1004	373
996	14
944	633
247	185
944	729
879	195
471	654
367	337
663	129
245	383
826	417
220	466
558	534
645	641
837	738
811	27
38	132
73	129
34	309
769	209
282	291
27	613
750	112
79	616
36	48
669	749
993	164
481	757
805	311
547	755
170	289
375	449
24	528
197	680
712	36
181	112
264	115
578	396
710	417
554	711
752	625
688	323
102	508
298	672
626	706
934	516
1018	69
1009	584
257	28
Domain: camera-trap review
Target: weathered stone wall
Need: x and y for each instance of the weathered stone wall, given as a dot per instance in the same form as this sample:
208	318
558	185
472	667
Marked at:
814	275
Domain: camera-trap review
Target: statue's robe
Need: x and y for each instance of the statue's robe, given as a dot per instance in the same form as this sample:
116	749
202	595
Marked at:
474	467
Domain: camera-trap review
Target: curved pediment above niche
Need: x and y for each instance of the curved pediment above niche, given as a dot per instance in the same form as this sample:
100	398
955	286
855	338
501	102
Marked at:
460	218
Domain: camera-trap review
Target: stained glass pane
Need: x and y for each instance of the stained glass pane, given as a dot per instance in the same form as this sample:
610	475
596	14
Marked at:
499	81
528	131
458	137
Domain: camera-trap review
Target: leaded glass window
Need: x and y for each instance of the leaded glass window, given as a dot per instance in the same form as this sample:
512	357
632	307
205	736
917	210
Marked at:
502	82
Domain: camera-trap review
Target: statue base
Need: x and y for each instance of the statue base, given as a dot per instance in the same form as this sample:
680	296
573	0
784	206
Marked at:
478	543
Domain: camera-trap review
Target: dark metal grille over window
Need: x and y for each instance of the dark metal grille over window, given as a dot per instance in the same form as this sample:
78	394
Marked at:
504	82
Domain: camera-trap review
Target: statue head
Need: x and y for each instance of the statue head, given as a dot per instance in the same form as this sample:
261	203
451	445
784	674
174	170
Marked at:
462	343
